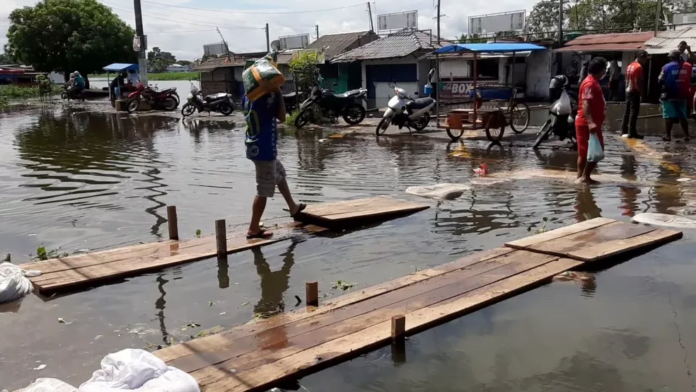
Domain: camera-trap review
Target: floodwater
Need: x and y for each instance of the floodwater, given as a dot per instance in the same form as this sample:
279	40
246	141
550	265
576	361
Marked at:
79	179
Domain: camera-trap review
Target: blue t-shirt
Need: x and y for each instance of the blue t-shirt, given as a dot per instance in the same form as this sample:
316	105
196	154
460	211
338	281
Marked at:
670	77
79	82
261	130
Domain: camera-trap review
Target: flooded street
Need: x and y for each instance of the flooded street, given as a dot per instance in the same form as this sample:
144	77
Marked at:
83	178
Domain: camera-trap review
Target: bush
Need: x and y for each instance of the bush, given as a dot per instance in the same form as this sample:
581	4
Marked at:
290	119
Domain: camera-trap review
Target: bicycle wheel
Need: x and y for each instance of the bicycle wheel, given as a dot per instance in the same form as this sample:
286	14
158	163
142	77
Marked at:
455	134
494	134
520	116
543	134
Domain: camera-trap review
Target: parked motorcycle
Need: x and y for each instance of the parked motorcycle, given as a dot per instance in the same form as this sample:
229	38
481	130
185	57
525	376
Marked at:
165	99
291	101
333	105
405	111
562	125
221	102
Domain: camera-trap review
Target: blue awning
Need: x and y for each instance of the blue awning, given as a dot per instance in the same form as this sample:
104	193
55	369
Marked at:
119	67
489	48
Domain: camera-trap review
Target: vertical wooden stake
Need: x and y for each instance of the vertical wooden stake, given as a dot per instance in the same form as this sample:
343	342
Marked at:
312	293
221	236
173	223
398	327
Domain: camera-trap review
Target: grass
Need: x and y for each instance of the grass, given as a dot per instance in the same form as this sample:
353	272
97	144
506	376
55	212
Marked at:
161	76
11	92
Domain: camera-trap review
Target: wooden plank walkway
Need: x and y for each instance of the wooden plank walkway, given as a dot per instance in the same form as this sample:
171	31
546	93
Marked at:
71	272
257	356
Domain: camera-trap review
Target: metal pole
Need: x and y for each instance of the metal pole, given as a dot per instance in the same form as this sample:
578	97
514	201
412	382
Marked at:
437	91
317	27
559	56
268	40
369	12
658	7
142	54
438	22
475	88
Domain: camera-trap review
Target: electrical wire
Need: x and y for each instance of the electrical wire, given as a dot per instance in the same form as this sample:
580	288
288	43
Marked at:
190	23
255	12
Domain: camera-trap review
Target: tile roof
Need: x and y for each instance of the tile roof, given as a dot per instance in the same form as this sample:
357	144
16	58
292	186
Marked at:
335	44
396	45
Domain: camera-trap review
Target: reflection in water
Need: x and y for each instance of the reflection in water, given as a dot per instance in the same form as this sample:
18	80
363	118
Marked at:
160	305
586	207
222	275
273	283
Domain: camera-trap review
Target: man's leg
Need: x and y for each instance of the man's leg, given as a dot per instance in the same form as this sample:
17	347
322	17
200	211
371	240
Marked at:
635	112
582	139
284	189
589	168
683	120
668	112
265	187
668	129
257	209
625	127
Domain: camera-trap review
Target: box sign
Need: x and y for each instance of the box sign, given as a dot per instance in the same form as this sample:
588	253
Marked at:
455	90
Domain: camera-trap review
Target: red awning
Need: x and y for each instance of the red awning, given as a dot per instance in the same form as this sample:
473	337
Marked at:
623	42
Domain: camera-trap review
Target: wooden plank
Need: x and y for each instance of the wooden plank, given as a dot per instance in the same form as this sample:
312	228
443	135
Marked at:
361	208
558	233
91	273
586	241
349	346
170	353
289	343
615	247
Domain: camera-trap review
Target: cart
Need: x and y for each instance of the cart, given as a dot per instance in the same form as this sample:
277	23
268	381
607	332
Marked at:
492	120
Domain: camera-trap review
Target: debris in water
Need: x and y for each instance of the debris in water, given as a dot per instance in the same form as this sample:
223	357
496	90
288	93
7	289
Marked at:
40	367
299	300
198	232
60	320
482	170
193	325
98	337
322	140
210	303
223	313
575	276
244	304
342	285
336	136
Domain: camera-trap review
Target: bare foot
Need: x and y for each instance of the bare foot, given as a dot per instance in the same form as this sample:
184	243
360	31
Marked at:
586	180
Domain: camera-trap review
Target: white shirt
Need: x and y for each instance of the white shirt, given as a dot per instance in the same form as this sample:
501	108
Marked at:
134	78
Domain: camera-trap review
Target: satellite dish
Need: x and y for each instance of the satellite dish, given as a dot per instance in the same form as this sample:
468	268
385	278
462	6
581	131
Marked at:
275	45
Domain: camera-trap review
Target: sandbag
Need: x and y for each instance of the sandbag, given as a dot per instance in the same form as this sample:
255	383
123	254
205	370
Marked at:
261	78
13	282
665	220
48	385
595	153
138	370
562	106
439	191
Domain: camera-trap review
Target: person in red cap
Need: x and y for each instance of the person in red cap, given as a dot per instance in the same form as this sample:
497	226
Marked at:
591	114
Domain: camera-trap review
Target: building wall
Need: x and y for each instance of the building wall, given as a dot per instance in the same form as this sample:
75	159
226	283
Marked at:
539	72
382	91
454	69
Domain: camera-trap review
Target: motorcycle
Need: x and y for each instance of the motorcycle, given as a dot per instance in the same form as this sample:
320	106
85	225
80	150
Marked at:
221	102
164	99
332	105
405	111
67	95
291	101
562	125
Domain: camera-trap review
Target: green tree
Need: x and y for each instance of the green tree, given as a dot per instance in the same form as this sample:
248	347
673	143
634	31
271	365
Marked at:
5	59
184	62
158	61
304	66
69	35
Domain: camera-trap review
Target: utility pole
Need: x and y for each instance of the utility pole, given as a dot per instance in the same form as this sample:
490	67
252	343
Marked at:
438	22
142	53
317	27
559	56
369	11
268	39
658	10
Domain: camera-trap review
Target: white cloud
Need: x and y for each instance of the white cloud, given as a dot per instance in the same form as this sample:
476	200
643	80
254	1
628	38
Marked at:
183	31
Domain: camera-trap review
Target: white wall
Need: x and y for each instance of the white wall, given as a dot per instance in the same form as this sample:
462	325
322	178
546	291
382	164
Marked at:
382	90
454	69
539	74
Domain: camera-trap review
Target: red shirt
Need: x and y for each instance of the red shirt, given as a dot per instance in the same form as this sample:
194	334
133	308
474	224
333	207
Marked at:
634	78
591	91
685	80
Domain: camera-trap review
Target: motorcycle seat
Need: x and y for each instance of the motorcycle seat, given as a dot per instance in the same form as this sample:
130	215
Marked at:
212	97
420	103
290	95
348	93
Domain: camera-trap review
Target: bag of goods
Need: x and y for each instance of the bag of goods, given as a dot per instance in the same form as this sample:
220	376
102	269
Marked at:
262	77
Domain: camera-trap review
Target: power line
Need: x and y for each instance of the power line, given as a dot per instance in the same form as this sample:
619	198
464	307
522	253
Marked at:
190	23
255	12
177	31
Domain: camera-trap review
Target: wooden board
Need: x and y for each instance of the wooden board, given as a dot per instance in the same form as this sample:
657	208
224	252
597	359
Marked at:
69	272
243	362
595	239
360	210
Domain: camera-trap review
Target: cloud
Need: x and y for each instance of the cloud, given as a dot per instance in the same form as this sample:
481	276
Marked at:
184	31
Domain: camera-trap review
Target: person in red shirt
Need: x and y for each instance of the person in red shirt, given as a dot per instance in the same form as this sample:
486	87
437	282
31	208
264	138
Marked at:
634	91
591	114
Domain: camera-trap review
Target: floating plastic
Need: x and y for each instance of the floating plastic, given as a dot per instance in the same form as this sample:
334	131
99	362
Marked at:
665	220
439	191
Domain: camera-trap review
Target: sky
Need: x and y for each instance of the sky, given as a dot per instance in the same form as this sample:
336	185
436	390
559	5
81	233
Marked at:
183	31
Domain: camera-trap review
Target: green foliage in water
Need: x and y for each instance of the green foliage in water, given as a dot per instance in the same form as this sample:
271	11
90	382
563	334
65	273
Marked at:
42	254
290	119
13	92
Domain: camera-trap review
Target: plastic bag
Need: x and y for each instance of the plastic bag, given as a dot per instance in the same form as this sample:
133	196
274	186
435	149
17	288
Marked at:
595	153
48	385
13	282
261	78
439	191
562	106
138	370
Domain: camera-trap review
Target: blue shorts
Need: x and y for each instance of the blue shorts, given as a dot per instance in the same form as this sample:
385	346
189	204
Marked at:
674	109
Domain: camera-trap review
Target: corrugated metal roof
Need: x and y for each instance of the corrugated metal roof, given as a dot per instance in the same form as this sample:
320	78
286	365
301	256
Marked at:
396	45
490	48
619	42
218	62
335	44
665	41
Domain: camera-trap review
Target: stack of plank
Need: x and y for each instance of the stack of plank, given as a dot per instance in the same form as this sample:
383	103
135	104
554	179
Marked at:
254	357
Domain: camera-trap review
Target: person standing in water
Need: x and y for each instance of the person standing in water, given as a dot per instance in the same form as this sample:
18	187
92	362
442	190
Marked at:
591	115
634	92
675	79
261	140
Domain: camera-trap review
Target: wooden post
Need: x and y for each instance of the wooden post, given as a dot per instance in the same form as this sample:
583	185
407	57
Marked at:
312	293
221	236
398	327
173	223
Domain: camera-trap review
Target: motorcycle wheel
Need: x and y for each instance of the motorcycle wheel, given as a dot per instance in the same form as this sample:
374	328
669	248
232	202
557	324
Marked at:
170	104
354	114
188	109
422	122
303	118
64	96
225	108
543	134
382	126
133	105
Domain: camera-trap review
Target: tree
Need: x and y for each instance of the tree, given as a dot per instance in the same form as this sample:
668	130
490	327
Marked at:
184	62
158	61
304	67
5	59
69	35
